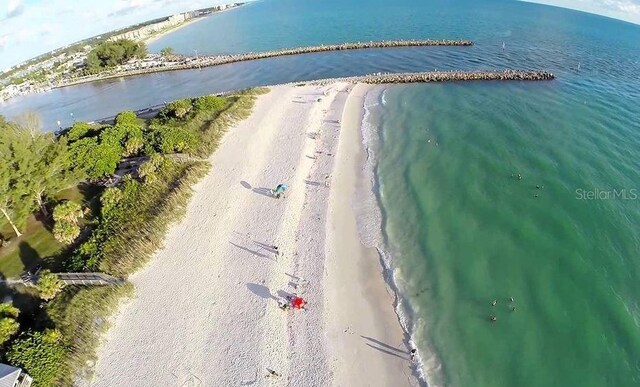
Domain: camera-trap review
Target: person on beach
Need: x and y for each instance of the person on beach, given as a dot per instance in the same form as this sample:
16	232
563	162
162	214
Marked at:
279	191
412	354
272	374
283	304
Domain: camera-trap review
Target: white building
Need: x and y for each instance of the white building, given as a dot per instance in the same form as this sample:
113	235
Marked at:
143	32
13	377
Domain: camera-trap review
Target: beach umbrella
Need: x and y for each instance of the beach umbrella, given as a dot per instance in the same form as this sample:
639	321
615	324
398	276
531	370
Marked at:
298	302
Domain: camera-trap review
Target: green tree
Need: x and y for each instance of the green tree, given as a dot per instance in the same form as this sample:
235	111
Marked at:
66	216
19	151
171	139
80	130
8	324
177	109
52	171
209	103
40	354
68	211
49	285
33	166
95	158
65	232
113	53
149	170
167	51
129	130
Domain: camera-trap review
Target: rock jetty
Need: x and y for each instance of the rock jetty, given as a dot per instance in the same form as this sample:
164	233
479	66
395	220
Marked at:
444	76
185	63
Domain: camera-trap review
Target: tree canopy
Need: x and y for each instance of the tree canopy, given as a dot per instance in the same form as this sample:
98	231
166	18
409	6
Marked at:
33	166
8	324
40	354
49	285
113	53
97	152
66	216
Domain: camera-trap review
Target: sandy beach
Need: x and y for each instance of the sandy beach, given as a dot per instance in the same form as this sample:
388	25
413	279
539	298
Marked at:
205	311
154	37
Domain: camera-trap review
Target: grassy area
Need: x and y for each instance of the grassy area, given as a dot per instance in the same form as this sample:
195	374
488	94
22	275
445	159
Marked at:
157	206
37	246
214	127
82	315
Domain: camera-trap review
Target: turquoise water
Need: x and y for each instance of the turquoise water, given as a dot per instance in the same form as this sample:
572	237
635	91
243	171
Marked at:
462	231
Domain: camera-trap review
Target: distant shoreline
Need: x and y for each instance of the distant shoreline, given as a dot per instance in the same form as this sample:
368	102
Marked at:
150	39
187	63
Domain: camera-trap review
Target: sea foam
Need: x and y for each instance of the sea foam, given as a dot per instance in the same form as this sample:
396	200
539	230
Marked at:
371	229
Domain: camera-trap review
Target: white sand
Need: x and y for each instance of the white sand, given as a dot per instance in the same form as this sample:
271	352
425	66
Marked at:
152	38
205	312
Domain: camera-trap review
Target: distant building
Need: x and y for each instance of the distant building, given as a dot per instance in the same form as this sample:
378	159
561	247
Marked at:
13	377
143	32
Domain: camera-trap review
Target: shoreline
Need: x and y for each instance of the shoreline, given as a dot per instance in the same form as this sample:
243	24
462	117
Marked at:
189	63
162	34
371	329
223	325
150	39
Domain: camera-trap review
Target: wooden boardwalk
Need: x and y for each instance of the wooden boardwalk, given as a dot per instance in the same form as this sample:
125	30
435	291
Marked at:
79	279
89	279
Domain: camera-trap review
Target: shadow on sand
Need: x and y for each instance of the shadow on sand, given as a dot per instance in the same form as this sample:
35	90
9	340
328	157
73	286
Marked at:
387	352
256	253
387	346
263	191
261	291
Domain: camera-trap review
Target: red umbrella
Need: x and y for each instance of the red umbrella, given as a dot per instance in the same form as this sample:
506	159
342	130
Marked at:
298	302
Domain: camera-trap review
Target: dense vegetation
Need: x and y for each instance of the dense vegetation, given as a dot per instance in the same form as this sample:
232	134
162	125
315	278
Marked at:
33	166
112	53
8	322
164	157
41	354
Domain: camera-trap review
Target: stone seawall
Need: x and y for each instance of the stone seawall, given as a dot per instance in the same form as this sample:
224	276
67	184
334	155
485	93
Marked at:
208	61
444	76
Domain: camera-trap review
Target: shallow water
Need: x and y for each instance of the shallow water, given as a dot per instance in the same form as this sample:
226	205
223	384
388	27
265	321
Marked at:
464	230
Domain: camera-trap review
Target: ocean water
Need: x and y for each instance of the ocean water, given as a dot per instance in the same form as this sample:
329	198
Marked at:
463	230
535	36
459	227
